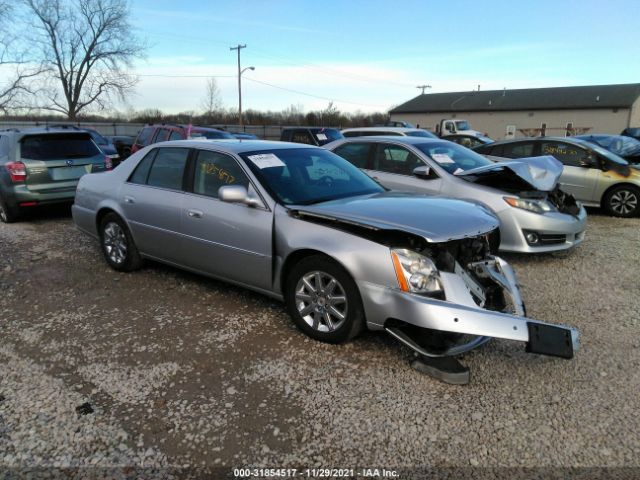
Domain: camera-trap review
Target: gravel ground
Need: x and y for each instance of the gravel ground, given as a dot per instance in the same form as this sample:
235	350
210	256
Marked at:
191	377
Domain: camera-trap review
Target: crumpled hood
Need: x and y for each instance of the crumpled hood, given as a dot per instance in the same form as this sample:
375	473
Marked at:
542	173
434	219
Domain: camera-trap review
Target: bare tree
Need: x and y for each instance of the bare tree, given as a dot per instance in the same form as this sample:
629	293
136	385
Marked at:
212	101
88	47
15	90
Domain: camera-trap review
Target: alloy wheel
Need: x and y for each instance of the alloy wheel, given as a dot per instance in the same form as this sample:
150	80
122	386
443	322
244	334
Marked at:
115	243
623	202
321	301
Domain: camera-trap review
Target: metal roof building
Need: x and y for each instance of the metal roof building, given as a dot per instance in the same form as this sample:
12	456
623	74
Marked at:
530	111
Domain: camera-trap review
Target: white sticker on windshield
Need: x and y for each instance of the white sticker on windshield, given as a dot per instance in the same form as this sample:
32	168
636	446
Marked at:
442	158
321	136
266	160
458	171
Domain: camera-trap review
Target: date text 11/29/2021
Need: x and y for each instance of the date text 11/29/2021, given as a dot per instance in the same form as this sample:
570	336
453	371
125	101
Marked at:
314	473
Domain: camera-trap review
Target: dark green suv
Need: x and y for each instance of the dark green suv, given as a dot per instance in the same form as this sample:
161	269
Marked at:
40	166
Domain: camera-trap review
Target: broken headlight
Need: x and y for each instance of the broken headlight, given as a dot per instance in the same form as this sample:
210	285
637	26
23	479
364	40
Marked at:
535	206
416	273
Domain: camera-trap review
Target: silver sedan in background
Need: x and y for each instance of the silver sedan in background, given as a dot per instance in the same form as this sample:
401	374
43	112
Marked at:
303	225
535	215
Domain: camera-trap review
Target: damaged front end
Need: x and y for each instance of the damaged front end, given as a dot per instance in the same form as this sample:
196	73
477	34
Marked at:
474	297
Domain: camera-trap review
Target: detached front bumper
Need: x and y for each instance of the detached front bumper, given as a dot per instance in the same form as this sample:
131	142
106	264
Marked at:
460	314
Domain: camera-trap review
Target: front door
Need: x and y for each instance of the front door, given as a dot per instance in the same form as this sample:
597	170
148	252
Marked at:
575	179
229	240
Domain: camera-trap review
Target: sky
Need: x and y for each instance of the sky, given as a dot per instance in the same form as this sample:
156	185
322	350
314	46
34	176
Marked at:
370	55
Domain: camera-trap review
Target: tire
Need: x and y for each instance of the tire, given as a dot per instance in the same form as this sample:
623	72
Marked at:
117	244
7	215
622	201
321	313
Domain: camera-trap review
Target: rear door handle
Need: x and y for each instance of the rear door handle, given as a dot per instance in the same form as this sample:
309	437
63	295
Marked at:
128	199
195	213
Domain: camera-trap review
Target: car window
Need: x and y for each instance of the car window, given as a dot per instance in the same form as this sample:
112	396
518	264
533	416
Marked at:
420	133
210	134
141	173
395	159
302	137
57	147
215	170
168	168
518	150
162	135
144	137
176	136
566	153
356	153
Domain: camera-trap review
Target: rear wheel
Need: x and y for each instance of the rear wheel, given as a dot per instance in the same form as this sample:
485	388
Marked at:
622	201
117	244
7	215
324	301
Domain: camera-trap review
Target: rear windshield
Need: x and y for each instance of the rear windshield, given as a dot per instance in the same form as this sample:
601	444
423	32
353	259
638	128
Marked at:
56	147
327	135
210	134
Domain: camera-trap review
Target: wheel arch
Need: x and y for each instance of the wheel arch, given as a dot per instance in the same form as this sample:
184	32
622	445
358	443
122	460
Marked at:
618	185
298	255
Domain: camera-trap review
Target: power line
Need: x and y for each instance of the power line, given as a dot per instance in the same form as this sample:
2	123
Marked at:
165	75
314	96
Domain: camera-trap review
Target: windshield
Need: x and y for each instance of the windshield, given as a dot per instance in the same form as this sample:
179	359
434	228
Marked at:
462	125
57	147
452	157
210	134
420	133
485	140
327	135
618	144
302	176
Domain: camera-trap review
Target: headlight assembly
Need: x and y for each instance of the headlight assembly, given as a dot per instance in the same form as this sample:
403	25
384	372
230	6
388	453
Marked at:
536	206
416	273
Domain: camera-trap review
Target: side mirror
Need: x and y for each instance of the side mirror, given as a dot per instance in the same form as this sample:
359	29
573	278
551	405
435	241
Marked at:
423	171
587	162
237	194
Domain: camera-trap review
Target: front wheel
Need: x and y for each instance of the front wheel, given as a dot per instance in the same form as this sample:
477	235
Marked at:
117	244
623	201
323	300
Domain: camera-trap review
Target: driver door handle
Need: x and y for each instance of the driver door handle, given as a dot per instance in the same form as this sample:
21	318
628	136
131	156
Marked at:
128	199
195	213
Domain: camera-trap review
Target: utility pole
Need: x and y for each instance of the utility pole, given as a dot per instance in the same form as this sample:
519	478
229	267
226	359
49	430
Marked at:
423	87
238	48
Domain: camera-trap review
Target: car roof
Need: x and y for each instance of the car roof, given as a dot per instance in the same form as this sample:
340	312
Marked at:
235	145
574	140
378	129
24	132
392	138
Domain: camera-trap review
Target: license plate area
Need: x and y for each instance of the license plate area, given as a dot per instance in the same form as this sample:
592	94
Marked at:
549	340
69	173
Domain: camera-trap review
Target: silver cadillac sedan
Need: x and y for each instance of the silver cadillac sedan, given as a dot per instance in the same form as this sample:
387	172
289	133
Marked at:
535	215
300	224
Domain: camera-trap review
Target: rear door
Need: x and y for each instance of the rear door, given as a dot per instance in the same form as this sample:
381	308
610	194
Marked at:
55	161
152	200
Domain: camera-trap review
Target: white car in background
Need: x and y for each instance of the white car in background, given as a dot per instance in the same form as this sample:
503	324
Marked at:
395	131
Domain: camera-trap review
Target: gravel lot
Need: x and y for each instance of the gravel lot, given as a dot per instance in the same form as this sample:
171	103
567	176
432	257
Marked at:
188	376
